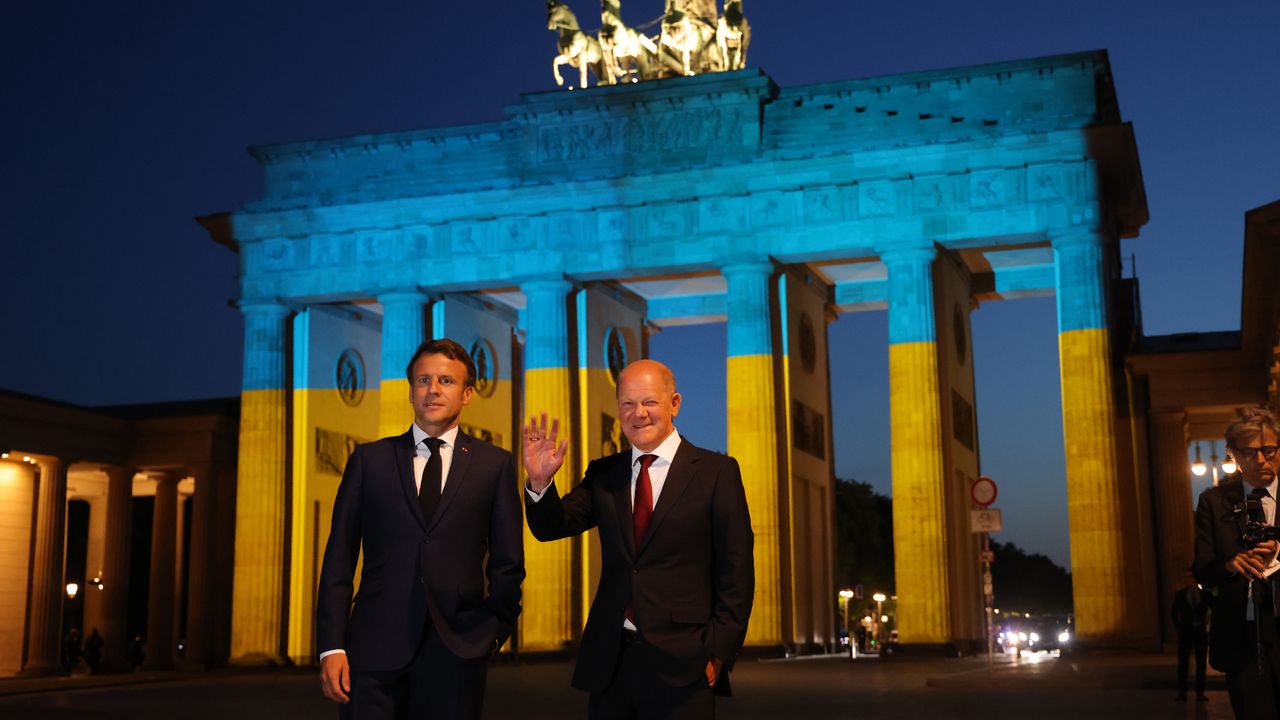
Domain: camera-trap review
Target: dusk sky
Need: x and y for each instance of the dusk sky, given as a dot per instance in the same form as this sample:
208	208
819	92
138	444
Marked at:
125	120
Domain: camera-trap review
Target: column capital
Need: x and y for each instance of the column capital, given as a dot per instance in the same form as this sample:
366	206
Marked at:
757	266
1082	237
264	307
403	295
546	284
912	255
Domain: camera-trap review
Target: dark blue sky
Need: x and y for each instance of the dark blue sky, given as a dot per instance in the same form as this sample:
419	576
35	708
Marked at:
124	120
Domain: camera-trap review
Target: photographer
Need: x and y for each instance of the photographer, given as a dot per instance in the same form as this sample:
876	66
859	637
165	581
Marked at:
1242	640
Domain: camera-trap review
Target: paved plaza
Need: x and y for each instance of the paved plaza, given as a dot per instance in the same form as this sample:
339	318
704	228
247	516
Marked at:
1080	686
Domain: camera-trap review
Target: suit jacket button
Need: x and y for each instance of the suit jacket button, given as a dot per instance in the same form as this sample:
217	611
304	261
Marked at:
635	571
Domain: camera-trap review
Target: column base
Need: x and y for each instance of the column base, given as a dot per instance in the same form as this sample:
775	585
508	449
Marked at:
259	659
920	651
41	671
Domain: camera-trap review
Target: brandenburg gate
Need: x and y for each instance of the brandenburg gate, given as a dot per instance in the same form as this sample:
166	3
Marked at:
554	241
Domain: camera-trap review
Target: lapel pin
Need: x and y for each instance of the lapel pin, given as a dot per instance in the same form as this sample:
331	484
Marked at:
464	451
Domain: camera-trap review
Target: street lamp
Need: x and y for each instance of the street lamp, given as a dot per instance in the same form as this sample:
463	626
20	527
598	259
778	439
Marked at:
1229	465
72	589
845	596
879	598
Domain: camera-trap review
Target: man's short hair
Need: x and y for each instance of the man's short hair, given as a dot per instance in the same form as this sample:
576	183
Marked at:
447	348
1250	422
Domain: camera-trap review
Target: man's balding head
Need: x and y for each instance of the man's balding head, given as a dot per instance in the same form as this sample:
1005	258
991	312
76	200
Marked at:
647	403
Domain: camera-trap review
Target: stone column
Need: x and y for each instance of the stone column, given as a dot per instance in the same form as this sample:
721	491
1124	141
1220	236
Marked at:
915	419
1093	485
44	630
160	594
115	569
260	498
93	566
198	568
1174	517
402	332
547	620
752	425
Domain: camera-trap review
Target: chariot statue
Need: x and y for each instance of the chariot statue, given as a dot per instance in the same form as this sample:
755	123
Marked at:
692	38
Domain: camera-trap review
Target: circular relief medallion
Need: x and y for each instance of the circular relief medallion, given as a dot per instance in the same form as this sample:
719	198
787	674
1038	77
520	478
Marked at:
349	376
808	344
962	340
615	352
486	362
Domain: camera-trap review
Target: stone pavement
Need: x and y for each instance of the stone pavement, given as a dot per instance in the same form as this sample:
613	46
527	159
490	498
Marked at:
1127	686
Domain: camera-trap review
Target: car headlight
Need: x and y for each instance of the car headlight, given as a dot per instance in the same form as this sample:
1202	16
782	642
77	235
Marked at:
1064	636
1022	636
1035	638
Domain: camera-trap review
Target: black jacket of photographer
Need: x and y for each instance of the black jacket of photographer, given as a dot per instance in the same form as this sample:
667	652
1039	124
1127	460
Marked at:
1220	523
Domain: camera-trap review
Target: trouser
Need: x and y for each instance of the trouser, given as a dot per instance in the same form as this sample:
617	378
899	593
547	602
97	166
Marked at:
639	693
1188	640
435	685
1254	687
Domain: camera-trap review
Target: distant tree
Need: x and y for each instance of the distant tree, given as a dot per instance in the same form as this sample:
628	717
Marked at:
1029	582
1025	582
864	537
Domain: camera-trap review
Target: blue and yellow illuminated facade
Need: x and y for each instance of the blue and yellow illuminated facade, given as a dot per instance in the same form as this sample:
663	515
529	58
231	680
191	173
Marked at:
552	241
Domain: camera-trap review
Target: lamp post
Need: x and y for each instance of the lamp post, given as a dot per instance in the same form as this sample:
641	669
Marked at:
845	596
879	598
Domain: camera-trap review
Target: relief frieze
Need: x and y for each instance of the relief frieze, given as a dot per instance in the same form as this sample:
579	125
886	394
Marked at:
663	133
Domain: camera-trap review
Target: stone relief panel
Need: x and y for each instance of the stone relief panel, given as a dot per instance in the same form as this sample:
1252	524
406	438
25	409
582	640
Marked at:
933	194
326	250
723	214
278	255
824	204
877	199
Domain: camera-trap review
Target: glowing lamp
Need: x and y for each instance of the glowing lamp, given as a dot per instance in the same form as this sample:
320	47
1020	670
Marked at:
1198	468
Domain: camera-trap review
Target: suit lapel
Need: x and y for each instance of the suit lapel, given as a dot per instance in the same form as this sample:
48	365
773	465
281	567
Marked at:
679	475
620	491
457	475
405	452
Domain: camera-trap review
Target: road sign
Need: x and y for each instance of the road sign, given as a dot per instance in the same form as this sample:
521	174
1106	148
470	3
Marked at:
983	491
987	521
857	591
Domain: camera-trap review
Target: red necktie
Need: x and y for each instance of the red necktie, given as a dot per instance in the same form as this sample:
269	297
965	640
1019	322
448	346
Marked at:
641	510
642	506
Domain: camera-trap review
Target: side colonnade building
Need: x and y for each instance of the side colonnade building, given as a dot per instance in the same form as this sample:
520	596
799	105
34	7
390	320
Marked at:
553	242
54	455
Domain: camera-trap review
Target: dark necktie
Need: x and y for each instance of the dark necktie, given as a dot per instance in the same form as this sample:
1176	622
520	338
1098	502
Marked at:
429	490
641	510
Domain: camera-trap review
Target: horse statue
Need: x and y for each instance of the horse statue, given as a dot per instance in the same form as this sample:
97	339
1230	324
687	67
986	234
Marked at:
687	34
627	52
733	34
577	49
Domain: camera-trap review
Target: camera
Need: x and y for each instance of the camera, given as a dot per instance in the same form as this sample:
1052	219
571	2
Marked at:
1256	529
1256	532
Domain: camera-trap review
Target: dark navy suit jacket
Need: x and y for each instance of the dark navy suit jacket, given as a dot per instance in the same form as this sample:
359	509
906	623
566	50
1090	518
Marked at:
691	581
417	568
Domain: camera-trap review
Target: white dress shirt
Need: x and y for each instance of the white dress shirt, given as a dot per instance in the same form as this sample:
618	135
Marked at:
449	437
420	457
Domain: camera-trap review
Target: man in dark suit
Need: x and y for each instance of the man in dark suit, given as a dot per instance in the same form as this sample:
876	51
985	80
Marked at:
1190	614
427	508
1242	639
676	581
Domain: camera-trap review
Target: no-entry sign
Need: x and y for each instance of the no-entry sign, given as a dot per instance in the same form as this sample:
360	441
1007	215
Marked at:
983	491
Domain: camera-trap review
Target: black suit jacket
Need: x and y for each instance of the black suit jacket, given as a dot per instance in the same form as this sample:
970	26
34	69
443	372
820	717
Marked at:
417	568
691	581
1220	520
1188	615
